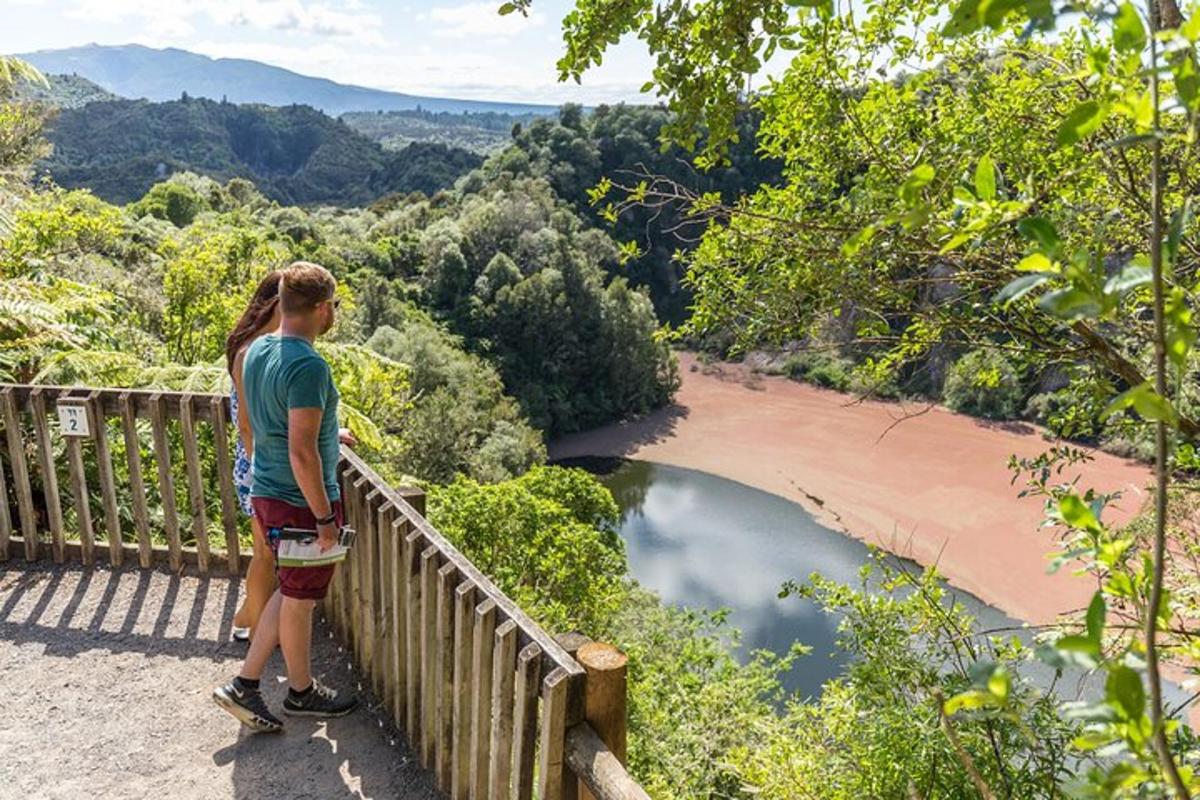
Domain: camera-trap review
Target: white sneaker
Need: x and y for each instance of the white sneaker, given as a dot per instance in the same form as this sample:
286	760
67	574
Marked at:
241	634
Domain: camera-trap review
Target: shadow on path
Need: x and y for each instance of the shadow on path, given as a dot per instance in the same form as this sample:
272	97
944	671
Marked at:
116	667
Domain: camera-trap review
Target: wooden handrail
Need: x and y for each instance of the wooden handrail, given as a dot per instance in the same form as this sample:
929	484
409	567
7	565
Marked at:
463	670
598	767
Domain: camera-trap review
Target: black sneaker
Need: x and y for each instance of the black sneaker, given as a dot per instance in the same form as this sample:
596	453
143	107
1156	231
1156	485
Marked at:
247	706
322	701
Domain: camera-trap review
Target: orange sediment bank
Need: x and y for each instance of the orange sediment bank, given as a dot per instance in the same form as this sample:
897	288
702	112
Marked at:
934	487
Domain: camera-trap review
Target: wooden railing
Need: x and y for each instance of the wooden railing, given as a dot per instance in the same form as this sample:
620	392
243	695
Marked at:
489	701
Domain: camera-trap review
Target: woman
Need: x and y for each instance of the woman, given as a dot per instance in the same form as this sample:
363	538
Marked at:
260	317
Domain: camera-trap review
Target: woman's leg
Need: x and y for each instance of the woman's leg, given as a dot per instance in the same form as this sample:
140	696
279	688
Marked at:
260	581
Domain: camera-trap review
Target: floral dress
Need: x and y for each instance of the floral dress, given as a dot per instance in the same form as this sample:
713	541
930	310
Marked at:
242	475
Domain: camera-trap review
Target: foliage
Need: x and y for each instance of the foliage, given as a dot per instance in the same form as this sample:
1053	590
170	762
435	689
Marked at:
537	538
63	91
984	383
578	151
295	154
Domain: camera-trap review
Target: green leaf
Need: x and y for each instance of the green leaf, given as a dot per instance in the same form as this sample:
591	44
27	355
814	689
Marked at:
964	19
1124	690
1136	273
1078	514
970	700
1149	404
985	179
918	179
1095	618
1041	231
999	683
1129	35
1070	304
507	9
1078	644
1083	121
1020	287
1181	334
1034	262
1179	222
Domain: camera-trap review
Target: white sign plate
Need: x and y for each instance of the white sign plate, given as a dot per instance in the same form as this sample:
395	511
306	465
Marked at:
73	420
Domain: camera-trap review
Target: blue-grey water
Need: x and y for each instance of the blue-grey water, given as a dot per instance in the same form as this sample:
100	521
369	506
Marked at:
703	541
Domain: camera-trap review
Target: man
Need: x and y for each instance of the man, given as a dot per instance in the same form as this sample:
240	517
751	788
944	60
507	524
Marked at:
292	404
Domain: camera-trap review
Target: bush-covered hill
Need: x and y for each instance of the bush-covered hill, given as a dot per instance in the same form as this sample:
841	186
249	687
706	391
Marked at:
577	150
295	154
483	133
64	91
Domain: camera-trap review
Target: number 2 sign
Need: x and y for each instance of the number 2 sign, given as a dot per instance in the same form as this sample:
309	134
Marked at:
72	418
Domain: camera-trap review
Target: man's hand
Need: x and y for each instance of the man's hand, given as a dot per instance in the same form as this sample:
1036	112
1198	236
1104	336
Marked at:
327	536
346	437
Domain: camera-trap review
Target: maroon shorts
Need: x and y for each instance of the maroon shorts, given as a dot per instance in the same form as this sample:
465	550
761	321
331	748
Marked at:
301	583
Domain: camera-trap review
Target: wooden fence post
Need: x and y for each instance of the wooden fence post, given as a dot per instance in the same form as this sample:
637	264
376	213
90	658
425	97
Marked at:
605	698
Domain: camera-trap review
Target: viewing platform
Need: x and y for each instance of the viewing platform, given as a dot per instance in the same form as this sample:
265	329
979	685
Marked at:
116	606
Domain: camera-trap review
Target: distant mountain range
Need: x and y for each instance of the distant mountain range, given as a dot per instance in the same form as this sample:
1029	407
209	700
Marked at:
143	72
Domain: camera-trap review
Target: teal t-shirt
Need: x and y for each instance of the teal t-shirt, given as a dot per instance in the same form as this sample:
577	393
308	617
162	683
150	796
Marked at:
281	373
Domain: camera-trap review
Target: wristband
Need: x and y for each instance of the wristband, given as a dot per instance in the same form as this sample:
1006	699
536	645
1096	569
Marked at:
328	520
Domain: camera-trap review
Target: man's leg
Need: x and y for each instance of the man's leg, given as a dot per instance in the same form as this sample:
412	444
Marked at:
294	619
265	639
241	697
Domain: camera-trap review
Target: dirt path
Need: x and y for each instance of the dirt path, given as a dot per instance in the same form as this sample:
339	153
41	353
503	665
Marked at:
107	676
935	488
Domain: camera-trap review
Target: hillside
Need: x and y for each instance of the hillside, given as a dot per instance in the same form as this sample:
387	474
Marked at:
144	72
65	91
296	154
483	133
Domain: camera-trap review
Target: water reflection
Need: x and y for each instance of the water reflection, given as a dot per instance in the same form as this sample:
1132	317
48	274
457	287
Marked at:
708	542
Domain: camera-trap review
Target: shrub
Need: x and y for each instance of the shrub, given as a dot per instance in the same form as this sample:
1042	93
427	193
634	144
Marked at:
820	367
985	384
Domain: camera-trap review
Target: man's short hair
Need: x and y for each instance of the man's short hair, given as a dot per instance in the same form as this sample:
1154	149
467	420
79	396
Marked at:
305	286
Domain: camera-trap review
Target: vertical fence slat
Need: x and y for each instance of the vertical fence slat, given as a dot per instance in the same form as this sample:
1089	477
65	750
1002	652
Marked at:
166	484
98	425
5	515
229	521
447	582
429	645
191	458
554	780
412	640
342	577
79	494
482	646
54	515
137	486
386	567
504	666
357	564
529	676
20	469
370	605
464	619
397	530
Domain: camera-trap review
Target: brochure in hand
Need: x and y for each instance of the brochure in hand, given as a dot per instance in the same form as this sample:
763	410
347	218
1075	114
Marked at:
298	548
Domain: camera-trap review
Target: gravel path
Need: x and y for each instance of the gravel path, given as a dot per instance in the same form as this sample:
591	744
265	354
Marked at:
107	676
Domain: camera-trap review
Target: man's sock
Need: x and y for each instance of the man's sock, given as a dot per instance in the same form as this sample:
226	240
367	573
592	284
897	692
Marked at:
248	684
300	695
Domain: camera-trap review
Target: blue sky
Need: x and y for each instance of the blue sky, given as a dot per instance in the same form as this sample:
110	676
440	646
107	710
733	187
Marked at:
449	48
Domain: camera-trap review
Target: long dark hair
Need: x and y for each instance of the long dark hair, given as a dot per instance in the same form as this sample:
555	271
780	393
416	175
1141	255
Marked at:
257	314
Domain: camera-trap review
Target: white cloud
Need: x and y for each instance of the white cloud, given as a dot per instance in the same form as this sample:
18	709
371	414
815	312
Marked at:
479	19
173	19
